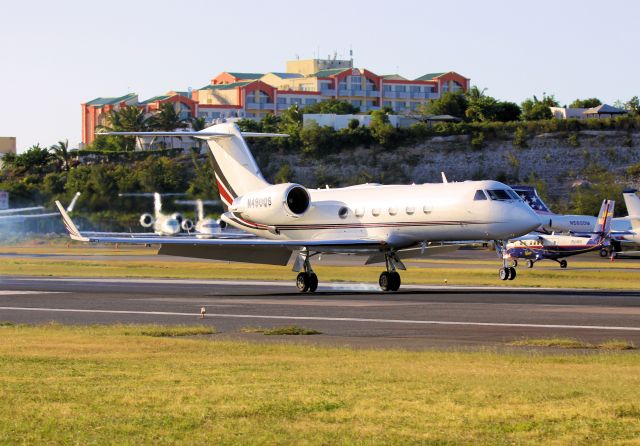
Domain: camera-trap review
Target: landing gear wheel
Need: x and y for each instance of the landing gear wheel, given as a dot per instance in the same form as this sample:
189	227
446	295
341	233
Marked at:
530	263
515	263
504	273
302	282
512	273
313	282
604	252
394	281
563	263
384	281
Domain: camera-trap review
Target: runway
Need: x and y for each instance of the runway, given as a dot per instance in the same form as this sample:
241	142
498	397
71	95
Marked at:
347	314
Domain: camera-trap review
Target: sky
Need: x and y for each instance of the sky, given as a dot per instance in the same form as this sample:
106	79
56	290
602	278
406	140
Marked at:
55	55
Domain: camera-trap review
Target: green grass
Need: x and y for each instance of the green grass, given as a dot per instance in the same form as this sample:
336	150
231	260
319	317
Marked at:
601	278
106	385
612	344
168	331
288	330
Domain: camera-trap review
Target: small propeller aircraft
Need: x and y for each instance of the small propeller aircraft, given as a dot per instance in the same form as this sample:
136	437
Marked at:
537	247
294	223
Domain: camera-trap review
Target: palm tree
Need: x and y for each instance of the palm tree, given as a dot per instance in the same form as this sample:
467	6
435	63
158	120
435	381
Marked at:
198	124
126	119
167	119
61	153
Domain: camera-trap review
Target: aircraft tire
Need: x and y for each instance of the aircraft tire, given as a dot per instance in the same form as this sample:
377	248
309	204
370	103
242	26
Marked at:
512	273
302	282
604	252
394	281
504	273
563	263
384	280
530	263
313	282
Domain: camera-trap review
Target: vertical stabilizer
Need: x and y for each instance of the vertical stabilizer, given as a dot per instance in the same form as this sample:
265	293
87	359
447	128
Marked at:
603	225
200	209
235	168
632	201
157	205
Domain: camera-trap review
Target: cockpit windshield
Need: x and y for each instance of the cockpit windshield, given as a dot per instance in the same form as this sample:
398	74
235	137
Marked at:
479	195
502	194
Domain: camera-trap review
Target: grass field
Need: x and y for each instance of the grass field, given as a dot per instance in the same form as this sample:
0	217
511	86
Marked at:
471	275
132	385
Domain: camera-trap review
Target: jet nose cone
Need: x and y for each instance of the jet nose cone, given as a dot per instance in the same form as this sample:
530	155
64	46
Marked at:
528	220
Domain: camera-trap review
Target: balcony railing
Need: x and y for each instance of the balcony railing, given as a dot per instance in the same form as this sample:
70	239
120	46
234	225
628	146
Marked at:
328	92
260	106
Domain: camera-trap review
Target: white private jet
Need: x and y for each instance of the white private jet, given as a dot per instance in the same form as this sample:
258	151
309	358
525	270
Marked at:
163	224
17	215
624	230
386	223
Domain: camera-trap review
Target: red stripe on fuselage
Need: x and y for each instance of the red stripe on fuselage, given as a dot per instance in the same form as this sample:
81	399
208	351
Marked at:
223	193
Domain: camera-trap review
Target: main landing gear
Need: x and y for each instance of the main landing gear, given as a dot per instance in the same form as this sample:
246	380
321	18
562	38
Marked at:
562	263
390	279
507	272
307	281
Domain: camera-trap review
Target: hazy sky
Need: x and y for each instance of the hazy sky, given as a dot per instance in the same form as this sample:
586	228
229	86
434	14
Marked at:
54	55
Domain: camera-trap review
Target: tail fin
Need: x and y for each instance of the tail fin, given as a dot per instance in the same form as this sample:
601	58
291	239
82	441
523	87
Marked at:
73	202
633	202
603	225
235	168
157	205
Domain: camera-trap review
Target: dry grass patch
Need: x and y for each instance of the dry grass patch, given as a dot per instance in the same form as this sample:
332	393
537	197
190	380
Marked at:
290	330
612	344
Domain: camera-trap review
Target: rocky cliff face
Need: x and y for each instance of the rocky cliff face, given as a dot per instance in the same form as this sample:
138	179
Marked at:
559	159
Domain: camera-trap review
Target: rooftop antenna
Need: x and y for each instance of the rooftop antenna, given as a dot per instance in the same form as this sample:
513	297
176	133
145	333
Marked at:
351	54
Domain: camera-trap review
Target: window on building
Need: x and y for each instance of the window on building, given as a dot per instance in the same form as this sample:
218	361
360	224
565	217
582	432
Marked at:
356	103
356	81
282	100
387	87
310	101
414	89
401	88
371	86
387	104
296	101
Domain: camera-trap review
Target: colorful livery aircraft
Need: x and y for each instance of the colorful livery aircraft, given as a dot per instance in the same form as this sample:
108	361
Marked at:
385	223
555	247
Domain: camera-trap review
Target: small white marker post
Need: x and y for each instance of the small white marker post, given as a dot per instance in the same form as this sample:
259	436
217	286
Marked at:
203	311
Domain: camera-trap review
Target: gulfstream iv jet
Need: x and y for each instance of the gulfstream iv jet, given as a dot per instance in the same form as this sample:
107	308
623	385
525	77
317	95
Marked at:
385	223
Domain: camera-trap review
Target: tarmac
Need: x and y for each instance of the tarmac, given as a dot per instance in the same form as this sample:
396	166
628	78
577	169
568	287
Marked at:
354	315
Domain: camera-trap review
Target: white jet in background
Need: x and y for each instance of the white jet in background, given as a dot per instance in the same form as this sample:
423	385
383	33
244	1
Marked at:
162	224
385	223
10	216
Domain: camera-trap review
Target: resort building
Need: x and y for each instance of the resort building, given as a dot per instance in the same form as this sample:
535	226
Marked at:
305	82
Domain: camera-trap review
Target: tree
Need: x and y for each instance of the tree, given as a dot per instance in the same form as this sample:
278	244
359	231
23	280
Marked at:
34	159
507	111
167	119
534	109
126	119
480	107
450	103
381	129
332	106
61	153
198	124
633	105
585	103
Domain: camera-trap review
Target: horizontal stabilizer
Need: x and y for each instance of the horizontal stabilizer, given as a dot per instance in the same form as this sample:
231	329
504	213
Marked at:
200	134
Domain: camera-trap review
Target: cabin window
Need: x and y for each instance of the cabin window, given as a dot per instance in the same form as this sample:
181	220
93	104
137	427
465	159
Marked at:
343	212
410	210
375	212
359	212
426	209
479	195
393	211
498	194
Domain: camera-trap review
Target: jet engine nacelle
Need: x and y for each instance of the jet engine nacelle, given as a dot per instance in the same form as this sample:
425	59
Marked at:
187	225
273	205
146	220
177	216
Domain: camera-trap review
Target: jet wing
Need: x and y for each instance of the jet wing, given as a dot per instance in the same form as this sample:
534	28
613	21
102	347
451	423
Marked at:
249	250
414	253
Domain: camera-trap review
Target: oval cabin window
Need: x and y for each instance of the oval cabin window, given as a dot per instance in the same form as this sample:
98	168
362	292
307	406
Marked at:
375	212
393	211
359	212
410	210
426	208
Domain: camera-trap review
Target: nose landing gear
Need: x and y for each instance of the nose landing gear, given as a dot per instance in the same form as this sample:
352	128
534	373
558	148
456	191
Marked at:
506	272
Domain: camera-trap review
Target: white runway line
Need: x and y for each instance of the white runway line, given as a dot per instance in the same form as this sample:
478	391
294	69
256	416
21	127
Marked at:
327	319
15	293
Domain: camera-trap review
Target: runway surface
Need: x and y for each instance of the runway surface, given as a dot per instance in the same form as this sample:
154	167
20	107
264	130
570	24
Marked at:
347	314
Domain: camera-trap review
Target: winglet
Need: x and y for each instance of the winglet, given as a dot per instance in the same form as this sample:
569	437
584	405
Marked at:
70	225
444	178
